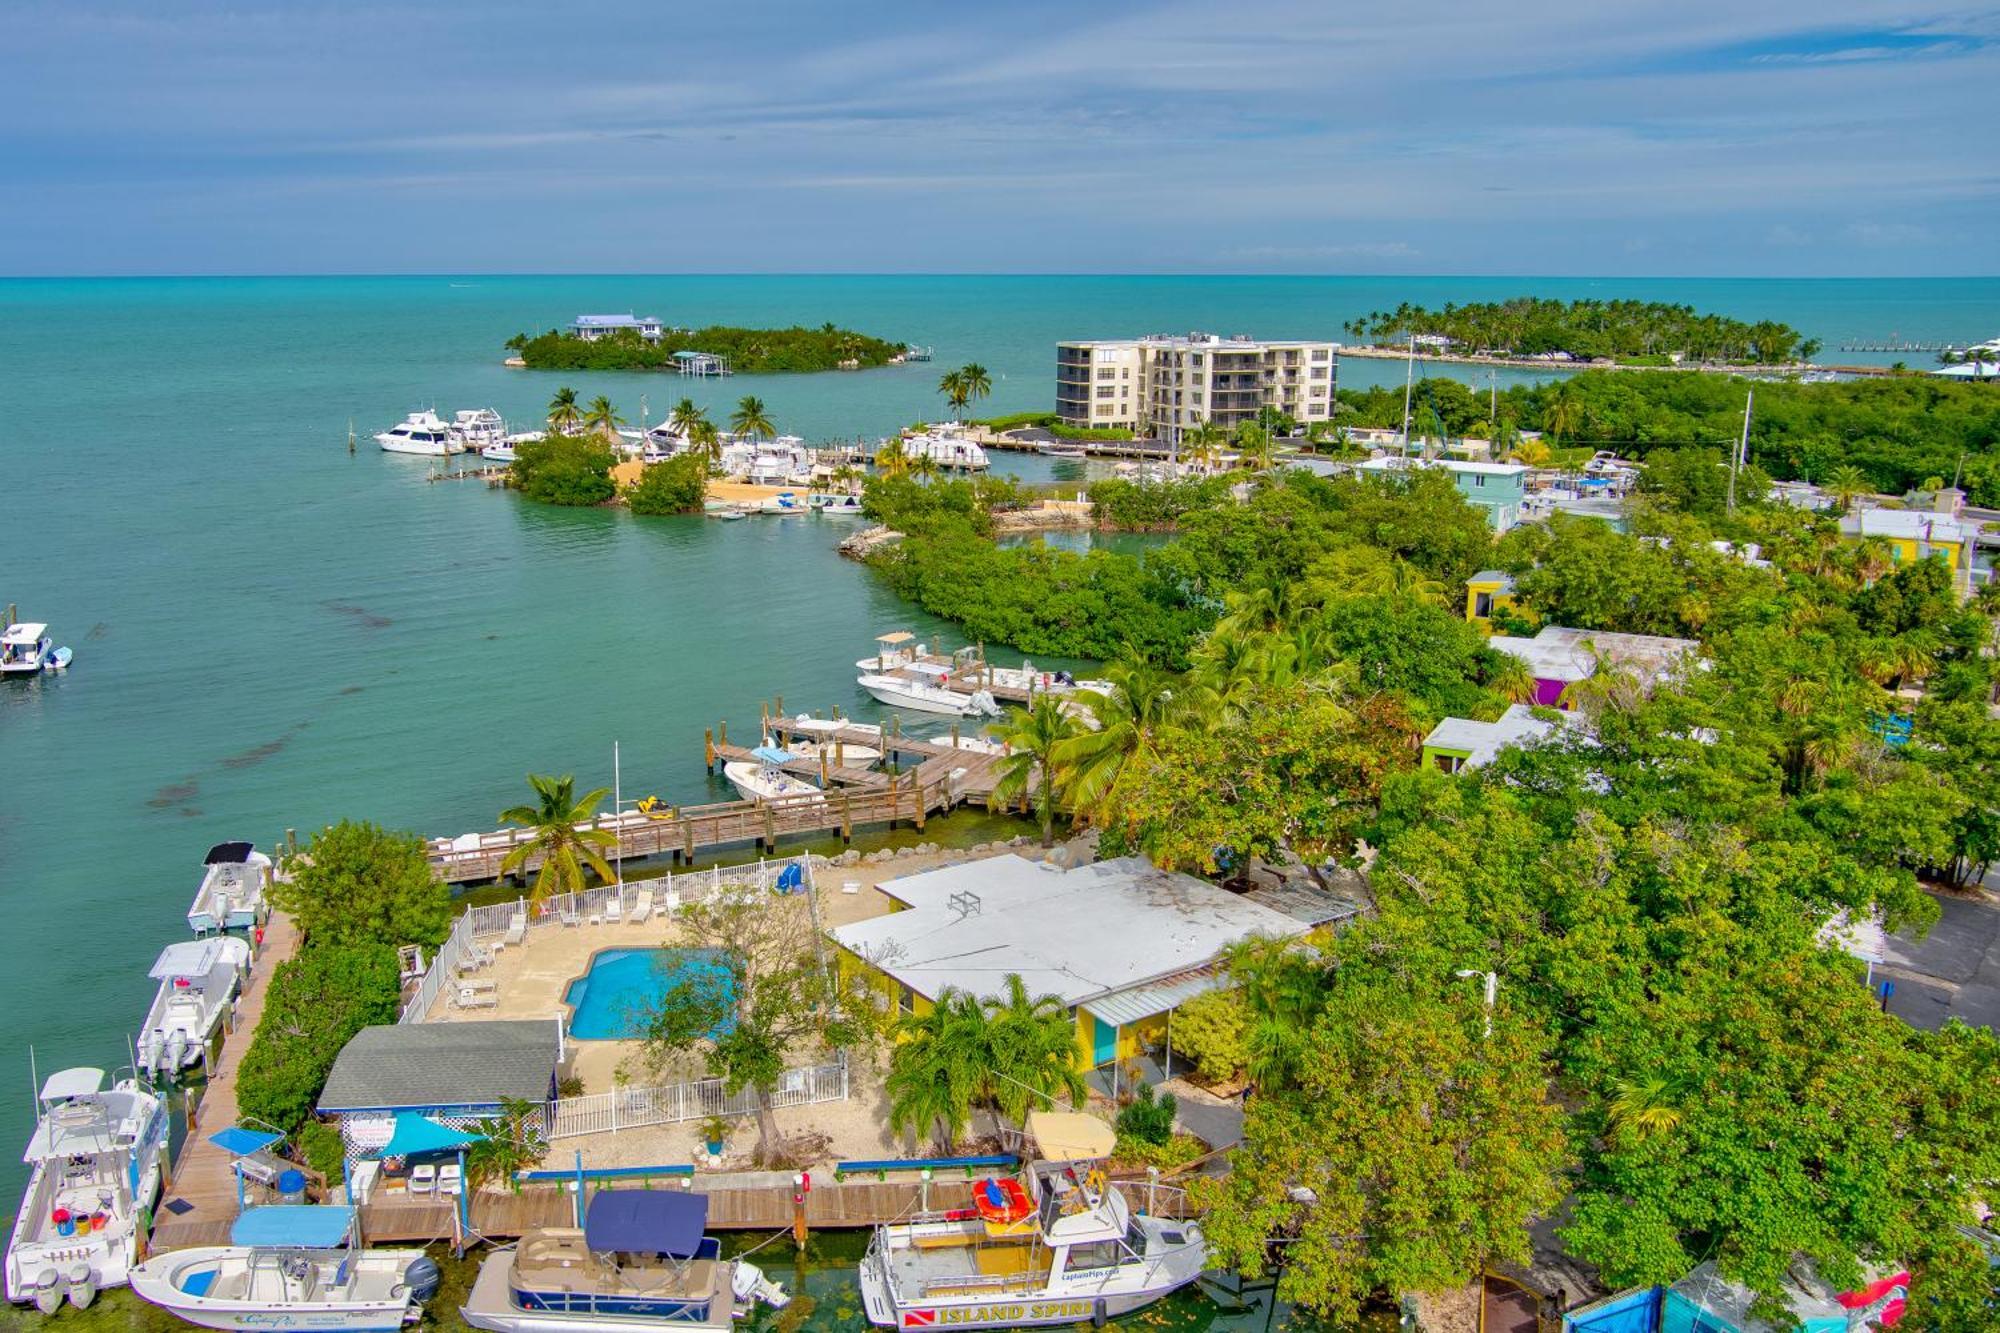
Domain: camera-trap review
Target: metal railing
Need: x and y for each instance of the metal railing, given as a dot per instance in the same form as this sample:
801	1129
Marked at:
672	1103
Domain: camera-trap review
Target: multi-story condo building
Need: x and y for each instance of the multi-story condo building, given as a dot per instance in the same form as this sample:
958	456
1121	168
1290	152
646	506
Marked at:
1166	385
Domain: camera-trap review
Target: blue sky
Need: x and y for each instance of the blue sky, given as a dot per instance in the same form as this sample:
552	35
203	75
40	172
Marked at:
1824	138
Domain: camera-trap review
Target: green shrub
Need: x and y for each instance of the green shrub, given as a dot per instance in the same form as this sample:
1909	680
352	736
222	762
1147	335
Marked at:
317	1002
677	486
564	470
1177	1151
1213	1031
1132	506
1149	1118
358	884
321	1146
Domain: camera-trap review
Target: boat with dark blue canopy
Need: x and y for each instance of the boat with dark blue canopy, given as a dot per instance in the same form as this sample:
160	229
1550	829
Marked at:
640	1258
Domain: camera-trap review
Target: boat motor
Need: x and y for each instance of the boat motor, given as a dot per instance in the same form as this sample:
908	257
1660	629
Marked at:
48	1291
422	1278
82	1284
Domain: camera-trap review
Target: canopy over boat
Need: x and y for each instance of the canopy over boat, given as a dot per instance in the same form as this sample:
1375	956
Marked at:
892	639
228	854
646	1222
304	1226
1067	1136
23	634
241	1140
189	958
416	1135
66	1083
771	754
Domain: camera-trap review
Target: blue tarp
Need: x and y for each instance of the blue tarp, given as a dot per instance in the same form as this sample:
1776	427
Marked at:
646	1222
238	1141
306	1226
771	754
416	1135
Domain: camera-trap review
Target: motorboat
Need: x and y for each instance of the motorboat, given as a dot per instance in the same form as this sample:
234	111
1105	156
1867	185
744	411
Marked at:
760	778
290	1266
474	430
234	876
1059	1245
27	650
640	1260
1062	449
423	432
662	442
838	503
837	752
784	502
95	1158
947	445
198	980
922	688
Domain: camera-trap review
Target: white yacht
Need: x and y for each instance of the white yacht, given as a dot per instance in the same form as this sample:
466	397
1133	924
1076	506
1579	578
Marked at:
234	876
947	445
1061	1246
198	980
422	432
507	449
922	688
27	650
95	1159
476	429
290	1266
761	778
639	1261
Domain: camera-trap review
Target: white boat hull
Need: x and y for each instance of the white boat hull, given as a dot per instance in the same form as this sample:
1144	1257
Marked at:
755	782
385	1304
397	445
898	693
491	1306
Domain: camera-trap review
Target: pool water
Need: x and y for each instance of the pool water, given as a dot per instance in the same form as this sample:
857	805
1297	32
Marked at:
616	999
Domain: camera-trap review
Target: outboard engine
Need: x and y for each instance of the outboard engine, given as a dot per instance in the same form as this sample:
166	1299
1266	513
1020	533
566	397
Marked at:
82	1284
48	1291
422	1278
748	1284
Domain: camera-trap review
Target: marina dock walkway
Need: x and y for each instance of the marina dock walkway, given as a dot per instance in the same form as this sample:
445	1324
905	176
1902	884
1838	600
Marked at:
199	1202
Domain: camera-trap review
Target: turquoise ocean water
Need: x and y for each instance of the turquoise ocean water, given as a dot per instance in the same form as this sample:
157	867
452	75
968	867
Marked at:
272	633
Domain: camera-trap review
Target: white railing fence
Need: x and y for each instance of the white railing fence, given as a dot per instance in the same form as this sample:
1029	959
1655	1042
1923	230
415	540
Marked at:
672	1103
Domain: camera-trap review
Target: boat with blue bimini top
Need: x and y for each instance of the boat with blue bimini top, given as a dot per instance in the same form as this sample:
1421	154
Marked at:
234	876
1061	1247
290	1266
639	1260
96	1154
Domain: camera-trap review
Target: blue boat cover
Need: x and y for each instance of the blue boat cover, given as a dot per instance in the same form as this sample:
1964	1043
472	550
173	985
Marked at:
416	1135
239	1141
308	1226
646	1222
771	754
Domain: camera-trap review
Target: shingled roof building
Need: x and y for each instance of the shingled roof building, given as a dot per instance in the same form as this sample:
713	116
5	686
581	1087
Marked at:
452	1072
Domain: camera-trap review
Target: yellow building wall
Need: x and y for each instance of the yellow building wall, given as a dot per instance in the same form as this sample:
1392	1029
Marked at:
1500	599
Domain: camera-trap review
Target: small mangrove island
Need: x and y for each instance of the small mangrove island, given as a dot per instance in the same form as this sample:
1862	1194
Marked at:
1629	332
749	351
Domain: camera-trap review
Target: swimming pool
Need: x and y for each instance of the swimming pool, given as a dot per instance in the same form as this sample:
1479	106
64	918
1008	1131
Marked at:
615	999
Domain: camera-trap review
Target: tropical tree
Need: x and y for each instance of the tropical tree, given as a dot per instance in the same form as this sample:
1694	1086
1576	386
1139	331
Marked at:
892	459
1645	1107
1142	700
1532	453
602	417
952	385
1563	416
704	436
847	477
922	466
1031	1055
977	381
563	413
509	1143
564	850
356	883
1255	445
1031	769
1204	444
681	420
751	419
1846	484
938	1068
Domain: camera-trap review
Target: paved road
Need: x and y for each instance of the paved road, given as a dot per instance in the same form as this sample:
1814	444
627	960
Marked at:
1953	972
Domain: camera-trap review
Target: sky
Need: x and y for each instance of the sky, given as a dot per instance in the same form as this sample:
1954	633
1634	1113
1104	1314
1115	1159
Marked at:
1702	137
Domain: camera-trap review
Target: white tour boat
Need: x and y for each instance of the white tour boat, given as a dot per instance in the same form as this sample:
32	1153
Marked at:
27	650
290	1266
763	780
639	1261
198	980
947	445
475	430
234	876
423	432
1061	1247
95	1159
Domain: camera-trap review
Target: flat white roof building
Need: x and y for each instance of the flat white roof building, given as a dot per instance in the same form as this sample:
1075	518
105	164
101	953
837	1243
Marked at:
1909	525
1460	742
1165	385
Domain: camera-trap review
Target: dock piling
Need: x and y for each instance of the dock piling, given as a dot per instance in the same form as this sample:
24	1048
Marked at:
708	748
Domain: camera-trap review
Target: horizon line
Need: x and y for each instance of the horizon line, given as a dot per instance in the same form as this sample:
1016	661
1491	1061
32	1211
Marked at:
1010	273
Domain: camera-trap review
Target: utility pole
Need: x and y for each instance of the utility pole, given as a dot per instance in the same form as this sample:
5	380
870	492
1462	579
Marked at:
1409	380
617	826
1742	448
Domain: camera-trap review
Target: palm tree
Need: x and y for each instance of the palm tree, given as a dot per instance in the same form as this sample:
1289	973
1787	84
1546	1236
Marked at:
892	460
1283	989
923	467
602	417
978	383
1142	700
952	385
1255	446
1031	1055
1533	453
847	477
1034	740
937	1068
1204	444
564	849
509	1143
681	420
563	414
751	419
1645	1107
704	436
1846	484
1564	414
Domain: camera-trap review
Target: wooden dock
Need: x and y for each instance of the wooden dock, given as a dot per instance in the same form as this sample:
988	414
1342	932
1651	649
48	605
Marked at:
199	1201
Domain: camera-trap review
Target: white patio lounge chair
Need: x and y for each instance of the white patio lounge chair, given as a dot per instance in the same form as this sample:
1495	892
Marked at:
517	928
569	916
614	911
642	904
